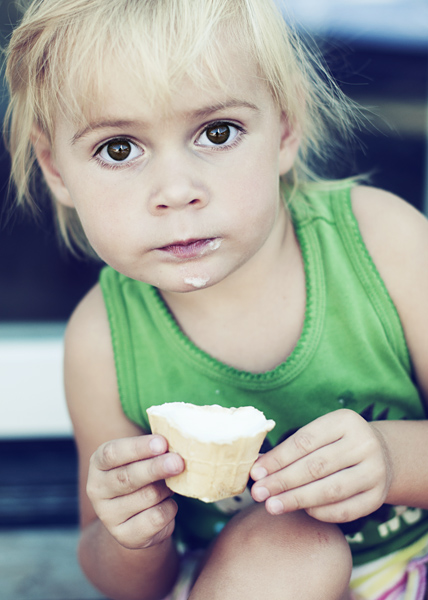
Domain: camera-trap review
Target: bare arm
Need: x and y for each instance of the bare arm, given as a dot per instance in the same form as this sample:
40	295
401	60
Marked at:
396	235
339	467
126	548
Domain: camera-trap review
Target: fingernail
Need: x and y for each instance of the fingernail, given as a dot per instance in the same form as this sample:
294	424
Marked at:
275	506
260	494
258	473
172	464
157	445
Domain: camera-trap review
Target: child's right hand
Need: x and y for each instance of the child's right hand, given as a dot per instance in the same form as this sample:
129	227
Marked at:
127	489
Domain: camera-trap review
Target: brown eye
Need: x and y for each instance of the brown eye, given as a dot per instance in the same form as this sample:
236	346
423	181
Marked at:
118	150
218	134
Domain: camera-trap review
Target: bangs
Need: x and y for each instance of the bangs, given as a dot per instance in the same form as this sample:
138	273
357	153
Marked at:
156	44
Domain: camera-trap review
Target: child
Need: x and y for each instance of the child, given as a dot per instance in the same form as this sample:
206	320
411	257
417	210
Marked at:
162	129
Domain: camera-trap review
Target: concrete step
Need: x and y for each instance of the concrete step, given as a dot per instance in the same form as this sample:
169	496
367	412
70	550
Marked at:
41	564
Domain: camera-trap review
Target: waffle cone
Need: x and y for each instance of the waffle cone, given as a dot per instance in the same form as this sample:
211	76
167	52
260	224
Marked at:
213	470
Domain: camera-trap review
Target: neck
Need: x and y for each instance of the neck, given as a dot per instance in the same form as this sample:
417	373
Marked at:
253	319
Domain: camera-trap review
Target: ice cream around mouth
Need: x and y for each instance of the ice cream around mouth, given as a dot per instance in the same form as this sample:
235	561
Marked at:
192	248
218	445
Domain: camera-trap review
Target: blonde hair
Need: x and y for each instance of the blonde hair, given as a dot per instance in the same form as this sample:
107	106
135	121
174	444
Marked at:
57	56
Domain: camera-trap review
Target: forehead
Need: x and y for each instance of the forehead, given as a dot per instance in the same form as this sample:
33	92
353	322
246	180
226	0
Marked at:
127	93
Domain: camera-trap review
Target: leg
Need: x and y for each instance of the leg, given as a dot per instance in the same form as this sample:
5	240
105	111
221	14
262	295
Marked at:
277	557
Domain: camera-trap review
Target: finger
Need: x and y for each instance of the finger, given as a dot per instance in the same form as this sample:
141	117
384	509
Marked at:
317	465
120	509
321	432
148	527
305	441
135	475
348	510
116	453
330	490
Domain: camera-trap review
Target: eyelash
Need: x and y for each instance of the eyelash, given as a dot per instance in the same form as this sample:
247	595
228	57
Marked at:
220	148
118	164
223	147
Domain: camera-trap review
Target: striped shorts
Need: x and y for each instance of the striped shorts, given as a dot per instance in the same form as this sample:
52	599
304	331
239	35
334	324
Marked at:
398	576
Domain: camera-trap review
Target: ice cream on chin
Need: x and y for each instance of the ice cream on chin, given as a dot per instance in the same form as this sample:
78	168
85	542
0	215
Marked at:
197	282
219	446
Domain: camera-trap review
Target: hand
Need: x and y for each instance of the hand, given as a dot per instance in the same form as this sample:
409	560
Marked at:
336	468
127	489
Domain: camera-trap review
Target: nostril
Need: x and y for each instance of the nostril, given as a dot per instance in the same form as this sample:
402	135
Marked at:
177	204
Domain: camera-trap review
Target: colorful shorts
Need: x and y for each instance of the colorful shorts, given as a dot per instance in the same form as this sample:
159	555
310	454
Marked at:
398	576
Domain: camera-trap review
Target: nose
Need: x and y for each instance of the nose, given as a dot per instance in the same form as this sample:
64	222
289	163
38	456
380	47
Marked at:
175	188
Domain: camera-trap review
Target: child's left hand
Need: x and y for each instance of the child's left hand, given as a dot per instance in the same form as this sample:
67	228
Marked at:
336	468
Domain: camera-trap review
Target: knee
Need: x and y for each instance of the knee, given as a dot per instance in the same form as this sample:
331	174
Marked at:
294	545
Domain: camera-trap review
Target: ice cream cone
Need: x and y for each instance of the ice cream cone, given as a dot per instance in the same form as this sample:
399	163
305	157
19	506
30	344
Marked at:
218	445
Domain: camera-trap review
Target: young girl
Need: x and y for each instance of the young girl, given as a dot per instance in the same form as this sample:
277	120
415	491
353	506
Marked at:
162	129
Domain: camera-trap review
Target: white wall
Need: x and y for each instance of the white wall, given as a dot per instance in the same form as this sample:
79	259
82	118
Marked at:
32	402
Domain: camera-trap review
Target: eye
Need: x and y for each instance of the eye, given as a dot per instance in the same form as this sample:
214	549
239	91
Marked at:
118	151
219	134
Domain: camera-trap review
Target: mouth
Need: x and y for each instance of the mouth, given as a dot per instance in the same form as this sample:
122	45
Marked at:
192	248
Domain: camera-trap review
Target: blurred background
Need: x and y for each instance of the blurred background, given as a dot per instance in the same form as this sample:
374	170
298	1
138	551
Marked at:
378	52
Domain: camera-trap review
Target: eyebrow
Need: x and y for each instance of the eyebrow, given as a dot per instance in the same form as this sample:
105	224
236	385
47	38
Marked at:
193	114
232	103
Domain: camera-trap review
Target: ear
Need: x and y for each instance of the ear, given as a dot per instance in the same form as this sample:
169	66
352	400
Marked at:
289	144
45	157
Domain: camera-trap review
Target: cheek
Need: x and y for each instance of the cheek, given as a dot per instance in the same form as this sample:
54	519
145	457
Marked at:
254	213
102	221
260	189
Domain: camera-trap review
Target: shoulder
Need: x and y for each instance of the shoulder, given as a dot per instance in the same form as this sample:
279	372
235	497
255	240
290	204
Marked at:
87	336
90	373
396	236
395	233
381	213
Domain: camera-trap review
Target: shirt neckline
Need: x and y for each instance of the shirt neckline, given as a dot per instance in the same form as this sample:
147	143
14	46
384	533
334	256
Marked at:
307	343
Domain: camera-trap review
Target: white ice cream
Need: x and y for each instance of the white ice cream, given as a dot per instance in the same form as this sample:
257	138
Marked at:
213	423
214	244
200	282
197	282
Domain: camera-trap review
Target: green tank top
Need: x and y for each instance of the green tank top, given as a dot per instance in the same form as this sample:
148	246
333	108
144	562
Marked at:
351	353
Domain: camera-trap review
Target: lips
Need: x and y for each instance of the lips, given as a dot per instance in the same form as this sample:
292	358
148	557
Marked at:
190	248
